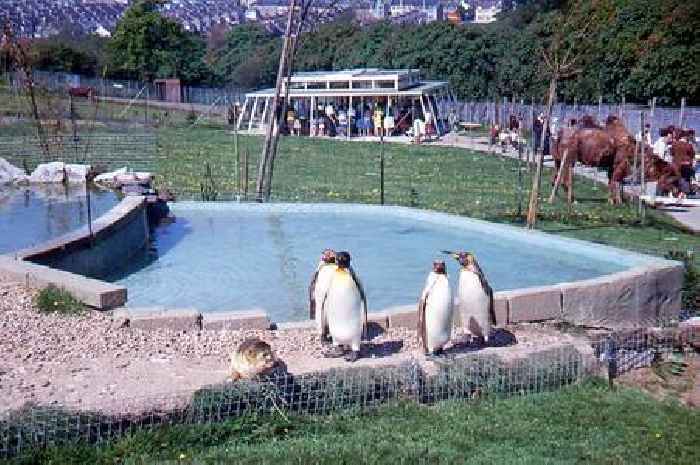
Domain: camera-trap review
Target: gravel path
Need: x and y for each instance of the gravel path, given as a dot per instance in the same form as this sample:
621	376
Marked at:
90	361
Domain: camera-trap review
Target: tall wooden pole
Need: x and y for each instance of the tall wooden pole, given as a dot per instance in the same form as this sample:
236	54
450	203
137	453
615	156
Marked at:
537	179
293	41
272	129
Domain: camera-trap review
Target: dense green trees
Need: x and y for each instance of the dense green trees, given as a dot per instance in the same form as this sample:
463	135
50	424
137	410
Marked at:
637	49
147	45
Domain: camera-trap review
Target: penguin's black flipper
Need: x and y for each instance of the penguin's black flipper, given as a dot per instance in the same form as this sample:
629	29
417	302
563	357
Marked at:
422	335
324	319
312	297
365	329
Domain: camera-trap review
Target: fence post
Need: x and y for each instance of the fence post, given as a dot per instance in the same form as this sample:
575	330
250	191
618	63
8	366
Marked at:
642	181
682	114
611	356
600	107
148	94
381	162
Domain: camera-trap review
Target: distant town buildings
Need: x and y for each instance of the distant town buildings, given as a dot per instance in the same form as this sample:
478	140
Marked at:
43	18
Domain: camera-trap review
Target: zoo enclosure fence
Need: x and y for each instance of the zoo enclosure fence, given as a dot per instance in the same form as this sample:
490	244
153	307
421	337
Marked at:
475	377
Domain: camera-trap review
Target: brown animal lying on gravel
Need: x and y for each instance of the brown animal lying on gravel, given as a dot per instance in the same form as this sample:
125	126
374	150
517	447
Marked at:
254	358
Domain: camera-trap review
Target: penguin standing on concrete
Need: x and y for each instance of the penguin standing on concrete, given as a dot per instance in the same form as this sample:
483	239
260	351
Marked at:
435	311
345	309
474	296
318	289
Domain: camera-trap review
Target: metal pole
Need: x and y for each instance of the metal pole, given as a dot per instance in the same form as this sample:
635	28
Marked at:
235	147
89	208
681	116
642	181
381	162
611	355
148	94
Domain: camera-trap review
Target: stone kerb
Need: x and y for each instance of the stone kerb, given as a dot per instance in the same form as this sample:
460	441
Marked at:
528	304
236	320
633	298
184	319
92	292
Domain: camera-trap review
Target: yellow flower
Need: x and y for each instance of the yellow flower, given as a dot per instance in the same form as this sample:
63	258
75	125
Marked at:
182	456
658	435
55	304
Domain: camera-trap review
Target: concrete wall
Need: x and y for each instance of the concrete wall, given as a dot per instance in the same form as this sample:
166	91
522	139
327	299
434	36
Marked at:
66	261
636	298
117	236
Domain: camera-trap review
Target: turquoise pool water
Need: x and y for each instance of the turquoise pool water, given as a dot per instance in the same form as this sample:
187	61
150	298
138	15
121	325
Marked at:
229	256
31	215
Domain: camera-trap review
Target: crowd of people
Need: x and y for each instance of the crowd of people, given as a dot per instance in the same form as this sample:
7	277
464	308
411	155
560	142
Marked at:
364	120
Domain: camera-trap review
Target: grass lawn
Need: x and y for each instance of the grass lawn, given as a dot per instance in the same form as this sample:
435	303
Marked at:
439	178
577	425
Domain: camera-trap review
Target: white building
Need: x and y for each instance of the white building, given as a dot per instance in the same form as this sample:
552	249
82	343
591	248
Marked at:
484	15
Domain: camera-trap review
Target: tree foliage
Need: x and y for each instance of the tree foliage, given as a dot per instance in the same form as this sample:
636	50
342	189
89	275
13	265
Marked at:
147	45
638	49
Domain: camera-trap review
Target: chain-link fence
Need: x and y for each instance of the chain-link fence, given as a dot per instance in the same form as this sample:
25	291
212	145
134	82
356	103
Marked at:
470	377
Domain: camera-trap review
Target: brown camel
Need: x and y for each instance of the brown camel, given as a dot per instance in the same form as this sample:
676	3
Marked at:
611	147
591	146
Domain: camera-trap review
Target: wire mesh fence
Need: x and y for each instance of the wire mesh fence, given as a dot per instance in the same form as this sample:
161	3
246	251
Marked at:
488	113
471	377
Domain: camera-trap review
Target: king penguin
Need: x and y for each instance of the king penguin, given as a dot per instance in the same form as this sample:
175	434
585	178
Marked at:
475	297
345	309
318	289
435	311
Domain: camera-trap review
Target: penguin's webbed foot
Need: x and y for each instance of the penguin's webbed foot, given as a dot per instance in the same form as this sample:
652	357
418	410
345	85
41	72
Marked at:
335	352
352	356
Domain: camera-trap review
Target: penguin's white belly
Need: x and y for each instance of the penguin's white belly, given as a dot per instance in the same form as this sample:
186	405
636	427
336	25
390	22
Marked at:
344	310
323	281
474	305
438	315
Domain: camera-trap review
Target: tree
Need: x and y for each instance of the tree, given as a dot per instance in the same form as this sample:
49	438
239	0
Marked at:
248	58
561	58
146	45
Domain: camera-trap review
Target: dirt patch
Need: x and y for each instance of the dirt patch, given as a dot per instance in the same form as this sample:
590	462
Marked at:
668	379
92	362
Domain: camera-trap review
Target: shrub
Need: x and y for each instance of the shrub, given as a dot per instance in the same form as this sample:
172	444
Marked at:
57	300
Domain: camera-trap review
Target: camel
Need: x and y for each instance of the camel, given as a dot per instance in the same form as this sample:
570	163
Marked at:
611	147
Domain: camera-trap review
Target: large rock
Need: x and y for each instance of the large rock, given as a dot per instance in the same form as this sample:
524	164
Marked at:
110	179
10	174
76	174
47	173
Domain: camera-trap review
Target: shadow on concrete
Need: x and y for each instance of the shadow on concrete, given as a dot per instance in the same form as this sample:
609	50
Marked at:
384	349
163	239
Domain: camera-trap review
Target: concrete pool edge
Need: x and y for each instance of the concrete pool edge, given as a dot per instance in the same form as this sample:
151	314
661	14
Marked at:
79	249
647	291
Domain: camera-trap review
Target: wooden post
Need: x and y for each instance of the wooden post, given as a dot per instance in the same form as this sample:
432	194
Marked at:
560	173
272	131
537	179
252	115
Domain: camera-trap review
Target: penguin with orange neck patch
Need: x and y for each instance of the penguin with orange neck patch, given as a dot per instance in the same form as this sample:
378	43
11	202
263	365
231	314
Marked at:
474	296
345	309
